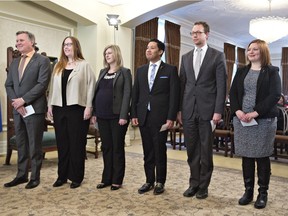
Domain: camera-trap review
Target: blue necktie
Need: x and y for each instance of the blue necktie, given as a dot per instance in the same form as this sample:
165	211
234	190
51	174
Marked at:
152	76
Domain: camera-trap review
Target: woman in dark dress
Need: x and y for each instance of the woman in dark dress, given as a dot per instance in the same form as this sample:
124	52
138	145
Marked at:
254	94
111	107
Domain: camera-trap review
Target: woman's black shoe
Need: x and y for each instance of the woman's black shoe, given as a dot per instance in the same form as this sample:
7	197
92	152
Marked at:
246	198
261	201
59	183
75	185
102	185
114	187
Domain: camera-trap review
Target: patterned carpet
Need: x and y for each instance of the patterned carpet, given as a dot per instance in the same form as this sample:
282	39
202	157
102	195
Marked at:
225	189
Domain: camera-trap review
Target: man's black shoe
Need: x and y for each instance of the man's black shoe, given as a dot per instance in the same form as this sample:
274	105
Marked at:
202	193
16	181
191	191
32	184
145	188
159	189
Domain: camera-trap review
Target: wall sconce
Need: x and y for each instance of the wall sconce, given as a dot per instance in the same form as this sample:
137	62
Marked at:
113	20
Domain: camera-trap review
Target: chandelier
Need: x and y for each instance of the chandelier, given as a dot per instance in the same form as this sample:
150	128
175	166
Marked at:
270	29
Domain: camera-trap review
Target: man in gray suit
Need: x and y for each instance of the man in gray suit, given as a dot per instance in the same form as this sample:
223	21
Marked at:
203	89
26	85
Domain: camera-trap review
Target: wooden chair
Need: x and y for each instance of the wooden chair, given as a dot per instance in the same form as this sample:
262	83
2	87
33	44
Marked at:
174	132
93	133
281	136
222	134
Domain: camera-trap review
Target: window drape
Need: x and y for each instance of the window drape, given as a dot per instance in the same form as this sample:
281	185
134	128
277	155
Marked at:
229	51
143	33
241	57
284	64
172	43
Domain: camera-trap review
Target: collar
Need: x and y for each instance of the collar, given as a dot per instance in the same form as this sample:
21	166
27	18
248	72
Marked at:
157	63
204	48
29	54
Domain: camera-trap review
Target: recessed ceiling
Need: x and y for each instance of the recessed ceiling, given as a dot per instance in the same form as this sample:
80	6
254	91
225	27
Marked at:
257	5
114	2
231	18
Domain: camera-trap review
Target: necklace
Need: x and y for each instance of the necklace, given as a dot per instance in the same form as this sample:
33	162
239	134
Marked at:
69	63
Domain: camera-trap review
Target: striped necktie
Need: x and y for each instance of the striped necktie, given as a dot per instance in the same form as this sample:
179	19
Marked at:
152	76
21	66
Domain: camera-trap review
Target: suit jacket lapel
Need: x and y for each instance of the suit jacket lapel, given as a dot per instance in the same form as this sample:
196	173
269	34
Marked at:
145	76
192	65
17	74
101	75
205	61
117	75
260	78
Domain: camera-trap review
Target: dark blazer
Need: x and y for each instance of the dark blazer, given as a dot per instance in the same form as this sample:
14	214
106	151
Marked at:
33	85
267	94
163	98
209	90
122	89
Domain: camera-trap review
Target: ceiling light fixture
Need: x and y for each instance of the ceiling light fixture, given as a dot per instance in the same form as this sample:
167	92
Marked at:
113	20
270	29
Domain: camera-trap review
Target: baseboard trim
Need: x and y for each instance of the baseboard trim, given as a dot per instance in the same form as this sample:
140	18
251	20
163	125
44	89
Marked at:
3	147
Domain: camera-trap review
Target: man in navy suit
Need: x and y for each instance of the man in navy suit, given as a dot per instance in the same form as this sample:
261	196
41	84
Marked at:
28	87
155	101
203	92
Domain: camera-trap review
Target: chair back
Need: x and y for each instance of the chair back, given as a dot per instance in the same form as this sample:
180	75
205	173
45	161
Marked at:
282	120
226	123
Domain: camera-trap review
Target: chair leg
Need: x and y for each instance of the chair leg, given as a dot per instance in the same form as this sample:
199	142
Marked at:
8	156
96	147
226	146
180	140
275	151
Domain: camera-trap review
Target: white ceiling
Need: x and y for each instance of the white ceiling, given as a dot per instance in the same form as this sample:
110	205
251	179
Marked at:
229	18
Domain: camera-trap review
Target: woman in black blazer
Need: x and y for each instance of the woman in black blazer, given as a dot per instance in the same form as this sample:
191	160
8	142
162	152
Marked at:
111	106
254	95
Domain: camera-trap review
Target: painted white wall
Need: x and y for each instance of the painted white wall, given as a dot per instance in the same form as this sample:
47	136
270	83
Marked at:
49	30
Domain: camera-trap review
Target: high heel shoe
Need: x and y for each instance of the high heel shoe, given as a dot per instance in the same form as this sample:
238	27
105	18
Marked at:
115	187
102	185
74	185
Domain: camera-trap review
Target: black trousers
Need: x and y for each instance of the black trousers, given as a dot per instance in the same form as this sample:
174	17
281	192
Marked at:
198	138
71	131
155	151
113	141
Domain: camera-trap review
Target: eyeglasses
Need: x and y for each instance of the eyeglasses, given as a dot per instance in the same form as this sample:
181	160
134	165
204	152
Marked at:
197	33
67	44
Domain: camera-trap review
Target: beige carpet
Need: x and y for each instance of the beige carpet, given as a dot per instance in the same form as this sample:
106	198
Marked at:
225	189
